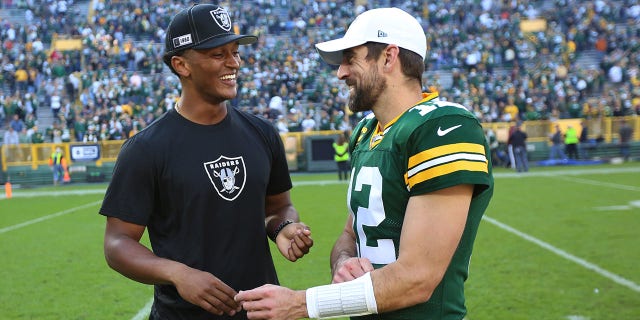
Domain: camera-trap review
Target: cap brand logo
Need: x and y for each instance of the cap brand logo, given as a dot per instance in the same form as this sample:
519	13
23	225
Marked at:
221	17
182	41
382	34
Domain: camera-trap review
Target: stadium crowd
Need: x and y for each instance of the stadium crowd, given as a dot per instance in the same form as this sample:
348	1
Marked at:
117	84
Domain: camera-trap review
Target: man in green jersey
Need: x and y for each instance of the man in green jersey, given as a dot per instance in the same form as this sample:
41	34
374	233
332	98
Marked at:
420	183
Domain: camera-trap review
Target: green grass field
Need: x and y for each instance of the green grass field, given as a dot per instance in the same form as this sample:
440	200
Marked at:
556	243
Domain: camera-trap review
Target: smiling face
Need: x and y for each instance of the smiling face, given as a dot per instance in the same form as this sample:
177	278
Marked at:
212	73
363	78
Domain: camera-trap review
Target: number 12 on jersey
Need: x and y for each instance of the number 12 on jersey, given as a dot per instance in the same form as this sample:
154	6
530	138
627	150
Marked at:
381	251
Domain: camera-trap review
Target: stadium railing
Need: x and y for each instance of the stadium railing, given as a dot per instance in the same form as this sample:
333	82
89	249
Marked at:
19	160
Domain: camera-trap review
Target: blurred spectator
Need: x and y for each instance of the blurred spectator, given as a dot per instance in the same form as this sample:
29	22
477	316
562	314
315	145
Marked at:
56	162
341	156
556	149
17	124
518	142
282	125
492	140
586	144
11	141
11	137
308	124
625	133
571	140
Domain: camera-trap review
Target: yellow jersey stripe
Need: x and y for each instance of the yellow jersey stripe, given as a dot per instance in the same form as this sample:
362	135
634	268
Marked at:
441	170
445	150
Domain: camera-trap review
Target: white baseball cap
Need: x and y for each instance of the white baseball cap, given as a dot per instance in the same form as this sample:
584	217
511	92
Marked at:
383	25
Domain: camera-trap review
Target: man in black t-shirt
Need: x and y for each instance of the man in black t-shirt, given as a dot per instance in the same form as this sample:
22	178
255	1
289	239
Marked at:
209	183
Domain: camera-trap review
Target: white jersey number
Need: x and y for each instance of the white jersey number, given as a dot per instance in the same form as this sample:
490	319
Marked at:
384	252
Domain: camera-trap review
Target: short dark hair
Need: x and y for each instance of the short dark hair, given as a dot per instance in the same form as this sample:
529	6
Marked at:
412	63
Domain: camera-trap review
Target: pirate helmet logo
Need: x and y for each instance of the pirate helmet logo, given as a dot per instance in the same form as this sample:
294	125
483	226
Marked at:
221	17
227	175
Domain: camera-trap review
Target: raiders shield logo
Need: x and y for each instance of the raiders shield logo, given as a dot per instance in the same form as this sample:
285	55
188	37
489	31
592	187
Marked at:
227	175
221	17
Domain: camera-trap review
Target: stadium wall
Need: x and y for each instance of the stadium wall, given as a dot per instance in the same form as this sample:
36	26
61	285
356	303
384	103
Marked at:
28	163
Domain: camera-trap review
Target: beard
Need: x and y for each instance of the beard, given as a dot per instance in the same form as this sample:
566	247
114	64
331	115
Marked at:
363	97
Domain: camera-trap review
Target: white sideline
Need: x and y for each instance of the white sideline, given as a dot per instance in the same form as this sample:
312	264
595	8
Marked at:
586	264
144	312
47	217
31	194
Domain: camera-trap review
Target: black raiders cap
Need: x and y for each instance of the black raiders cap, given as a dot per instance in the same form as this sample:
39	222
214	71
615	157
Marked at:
202	26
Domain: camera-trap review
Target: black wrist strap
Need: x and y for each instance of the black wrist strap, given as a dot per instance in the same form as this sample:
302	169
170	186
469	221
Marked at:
279	228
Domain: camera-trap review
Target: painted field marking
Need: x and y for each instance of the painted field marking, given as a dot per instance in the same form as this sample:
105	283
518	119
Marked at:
565	172
584	263
32	194
144	312
47	217
599	183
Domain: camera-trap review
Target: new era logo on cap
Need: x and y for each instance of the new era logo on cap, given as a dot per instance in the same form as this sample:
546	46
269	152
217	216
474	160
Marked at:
182	41
381	34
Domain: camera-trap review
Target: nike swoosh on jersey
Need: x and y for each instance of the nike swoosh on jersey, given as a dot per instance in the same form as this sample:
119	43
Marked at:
445	131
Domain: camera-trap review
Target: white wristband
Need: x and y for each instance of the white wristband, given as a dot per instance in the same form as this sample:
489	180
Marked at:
351	298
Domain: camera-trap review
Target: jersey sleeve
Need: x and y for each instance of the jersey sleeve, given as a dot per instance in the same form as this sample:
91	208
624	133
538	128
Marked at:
446	151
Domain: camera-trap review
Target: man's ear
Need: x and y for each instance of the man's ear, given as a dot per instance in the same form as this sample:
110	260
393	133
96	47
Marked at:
390	56
180	65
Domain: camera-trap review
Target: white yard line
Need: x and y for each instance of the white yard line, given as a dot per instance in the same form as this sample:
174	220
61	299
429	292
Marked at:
17	193
47	217
584	263
144	312
566	172
568	176
599	183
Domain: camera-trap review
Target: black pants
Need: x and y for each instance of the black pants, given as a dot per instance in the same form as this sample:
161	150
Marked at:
571	149
343	170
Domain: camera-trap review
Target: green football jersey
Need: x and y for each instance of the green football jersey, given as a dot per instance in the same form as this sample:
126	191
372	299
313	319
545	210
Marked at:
433	145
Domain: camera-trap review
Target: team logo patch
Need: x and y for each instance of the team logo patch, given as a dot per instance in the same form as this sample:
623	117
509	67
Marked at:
227	175
221	17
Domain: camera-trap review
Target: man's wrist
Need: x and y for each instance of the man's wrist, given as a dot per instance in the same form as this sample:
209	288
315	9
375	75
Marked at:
273	235
351	298
338	262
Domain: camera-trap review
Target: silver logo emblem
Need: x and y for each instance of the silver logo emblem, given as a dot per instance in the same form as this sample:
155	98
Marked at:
221	17
227	175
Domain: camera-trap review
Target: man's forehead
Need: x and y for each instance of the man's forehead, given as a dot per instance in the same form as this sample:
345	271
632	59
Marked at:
354	50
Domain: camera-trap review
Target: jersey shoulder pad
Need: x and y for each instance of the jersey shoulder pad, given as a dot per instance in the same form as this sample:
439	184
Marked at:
434	109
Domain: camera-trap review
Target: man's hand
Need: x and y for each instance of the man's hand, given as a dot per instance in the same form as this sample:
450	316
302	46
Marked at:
206	291
294	241
273	302
350	268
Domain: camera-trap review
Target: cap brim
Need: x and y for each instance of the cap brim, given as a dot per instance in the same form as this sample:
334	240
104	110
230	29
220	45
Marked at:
331	51
220	41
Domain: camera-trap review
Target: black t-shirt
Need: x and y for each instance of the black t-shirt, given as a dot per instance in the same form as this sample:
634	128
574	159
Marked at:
200	191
